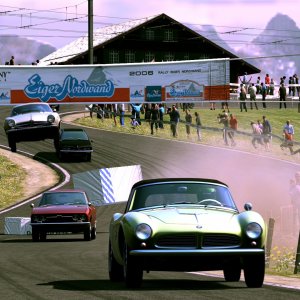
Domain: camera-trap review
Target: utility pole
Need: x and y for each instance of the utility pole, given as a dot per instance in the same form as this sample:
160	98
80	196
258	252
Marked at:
90	32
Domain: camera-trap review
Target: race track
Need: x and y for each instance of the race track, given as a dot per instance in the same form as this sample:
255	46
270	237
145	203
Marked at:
69	268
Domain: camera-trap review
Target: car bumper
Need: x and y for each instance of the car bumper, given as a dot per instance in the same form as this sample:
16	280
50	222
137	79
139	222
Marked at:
75	151
33	133
61	227
192	260
196	252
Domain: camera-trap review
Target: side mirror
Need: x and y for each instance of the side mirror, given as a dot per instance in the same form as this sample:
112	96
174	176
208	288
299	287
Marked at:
32	205
248	206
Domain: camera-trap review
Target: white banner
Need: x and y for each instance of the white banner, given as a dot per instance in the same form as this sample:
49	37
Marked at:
183	81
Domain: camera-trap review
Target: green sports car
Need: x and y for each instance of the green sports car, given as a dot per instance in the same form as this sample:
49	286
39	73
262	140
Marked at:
186	224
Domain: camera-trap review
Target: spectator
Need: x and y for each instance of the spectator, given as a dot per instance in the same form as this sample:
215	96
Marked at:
245	81
272	87
174	120
233	124
256	134
267	83
291	86
296	81
282	96
266	131
243	96
258	86
121	113
12	60
136	111
198	126
147	111
223	119
252	92
288	137
161	116
134	123
188	122
263	94
154	117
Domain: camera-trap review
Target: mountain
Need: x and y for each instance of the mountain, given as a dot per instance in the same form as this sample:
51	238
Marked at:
26	51
278	46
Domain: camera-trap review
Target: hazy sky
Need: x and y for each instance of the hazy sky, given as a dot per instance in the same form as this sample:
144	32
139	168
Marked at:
46	20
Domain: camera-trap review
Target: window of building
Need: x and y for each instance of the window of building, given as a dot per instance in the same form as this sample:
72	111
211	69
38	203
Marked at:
149	34
149	56
114	57
129	56
169	35
169	56
186	56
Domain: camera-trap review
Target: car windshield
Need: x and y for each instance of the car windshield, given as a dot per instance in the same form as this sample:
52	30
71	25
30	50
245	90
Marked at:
63	198
74	135
181	193
30	108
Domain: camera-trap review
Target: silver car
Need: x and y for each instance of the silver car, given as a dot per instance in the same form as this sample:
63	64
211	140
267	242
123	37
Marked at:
32	122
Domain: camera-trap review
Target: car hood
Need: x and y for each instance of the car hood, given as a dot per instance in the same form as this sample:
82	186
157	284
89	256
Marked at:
187	216
36	116
60	209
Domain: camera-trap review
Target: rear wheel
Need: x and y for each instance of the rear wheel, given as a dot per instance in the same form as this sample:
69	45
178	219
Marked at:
254	271
133	273
114	268
88	157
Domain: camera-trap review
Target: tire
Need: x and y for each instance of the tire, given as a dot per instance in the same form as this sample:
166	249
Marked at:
88	157
232	271
115	270
12	145
87	235
254	271
133	273
93	233
35	235
43	236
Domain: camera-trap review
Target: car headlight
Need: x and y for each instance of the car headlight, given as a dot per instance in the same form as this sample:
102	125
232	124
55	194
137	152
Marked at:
79	218
143	231
253	230
11	123
51	119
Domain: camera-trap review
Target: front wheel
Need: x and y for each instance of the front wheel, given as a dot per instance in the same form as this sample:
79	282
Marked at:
232	271
133	273
12	144
254	271
35	235
87	234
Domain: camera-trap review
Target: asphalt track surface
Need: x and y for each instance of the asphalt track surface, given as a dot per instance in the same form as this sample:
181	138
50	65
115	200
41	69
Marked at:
67	267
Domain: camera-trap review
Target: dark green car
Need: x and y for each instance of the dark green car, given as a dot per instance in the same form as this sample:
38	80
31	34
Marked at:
74	142
186	225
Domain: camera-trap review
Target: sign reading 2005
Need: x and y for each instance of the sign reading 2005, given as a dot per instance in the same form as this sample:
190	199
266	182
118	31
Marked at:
71	87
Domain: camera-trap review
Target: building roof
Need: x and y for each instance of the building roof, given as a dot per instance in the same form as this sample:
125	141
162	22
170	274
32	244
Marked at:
106	34
100	36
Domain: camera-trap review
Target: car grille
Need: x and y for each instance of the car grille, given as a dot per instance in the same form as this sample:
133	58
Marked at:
177	241
58	218
220	240
32	123
203	241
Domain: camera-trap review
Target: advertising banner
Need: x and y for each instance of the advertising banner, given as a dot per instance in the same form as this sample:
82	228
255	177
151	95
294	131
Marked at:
182	81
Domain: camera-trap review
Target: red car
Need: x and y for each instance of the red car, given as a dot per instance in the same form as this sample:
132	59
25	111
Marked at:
63	211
